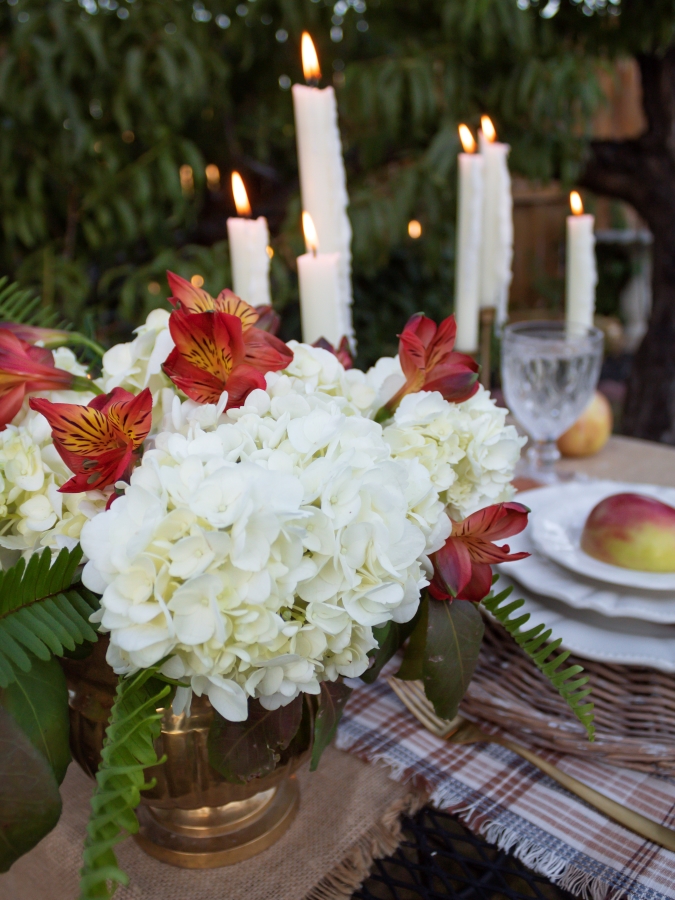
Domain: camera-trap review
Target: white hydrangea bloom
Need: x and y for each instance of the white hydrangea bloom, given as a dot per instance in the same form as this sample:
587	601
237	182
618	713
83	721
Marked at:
466	447
33	514
259	548
138	364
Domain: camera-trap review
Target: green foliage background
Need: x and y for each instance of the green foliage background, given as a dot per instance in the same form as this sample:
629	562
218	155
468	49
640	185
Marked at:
91	220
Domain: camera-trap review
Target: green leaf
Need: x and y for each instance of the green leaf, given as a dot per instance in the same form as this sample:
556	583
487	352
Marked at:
454	635
30	803
241	751
128	750
305	733
332	700
38	703
41	613
389	637
413	660
535	642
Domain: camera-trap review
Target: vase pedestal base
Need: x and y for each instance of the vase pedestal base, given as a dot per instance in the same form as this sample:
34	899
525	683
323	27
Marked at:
210	837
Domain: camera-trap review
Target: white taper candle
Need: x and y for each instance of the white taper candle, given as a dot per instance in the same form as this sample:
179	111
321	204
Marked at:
467	259
582	273
497	249
323	182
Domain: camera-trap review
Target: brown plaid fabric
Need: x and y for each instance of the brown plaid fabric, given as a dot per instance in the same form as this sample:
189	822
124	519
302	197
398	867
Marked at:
513	805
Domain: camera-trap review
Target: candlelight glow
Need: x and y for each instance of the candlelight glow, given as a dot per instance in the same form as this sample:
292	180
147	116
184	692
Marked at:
488	129
187	182
240	195
310	61
465	136
212	173
414	229
311	239
270	251
576	203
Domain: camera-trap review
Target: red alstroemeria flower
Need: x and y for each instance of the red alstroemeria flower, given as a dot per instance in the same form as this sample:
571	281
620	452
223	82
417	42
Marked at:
196	300
24	369
429	363
214	352
343	351
462	567
99	442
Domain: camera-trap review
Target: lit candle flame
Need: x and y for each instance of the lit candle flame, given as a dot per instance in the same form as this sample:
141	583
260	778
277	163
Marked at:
576	203
465	136
311	239
240	195
488	129
310	61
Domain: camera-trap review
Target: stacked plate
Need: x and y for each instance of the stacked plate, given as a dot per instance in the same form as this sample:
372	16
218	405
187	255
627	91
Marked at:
600	611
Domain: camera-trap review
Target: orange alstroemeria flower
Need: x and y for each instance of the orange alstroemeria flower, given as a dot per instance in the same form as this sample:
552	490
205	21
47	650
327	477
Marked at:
25	369
214	353
100	442
462	567
196	300
430	363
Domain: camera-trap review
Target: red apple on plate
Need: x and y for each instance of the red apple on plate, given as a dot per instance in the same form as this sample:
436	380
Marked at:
632	531
591	431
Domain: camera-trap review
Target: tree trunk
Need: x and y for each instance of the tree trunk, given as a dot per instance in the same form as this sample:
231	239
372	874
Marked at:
642	172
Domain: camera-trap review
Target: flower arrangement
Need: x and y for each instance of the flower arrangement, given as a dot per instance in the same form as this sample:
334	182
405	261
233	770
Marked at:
257	521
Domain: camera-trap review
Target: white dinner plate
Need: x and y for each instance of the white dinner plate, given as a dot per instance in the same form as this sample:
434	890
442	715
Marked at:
558	516
539	574
628	642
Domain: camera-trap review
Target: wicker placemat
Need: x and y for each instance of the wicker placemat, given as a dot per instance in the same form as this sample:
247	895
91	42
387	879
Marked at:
634	707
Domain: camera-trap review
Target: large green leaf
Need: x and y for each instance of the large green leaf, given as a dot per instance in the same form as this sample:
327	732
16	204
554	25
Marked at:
454	635
413	660
38	703
389	638
332	700
241	751
30	804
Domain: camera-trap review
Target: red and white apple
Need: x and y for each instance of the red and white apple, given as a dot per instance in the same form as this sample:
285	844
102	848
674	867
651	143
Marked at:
632	531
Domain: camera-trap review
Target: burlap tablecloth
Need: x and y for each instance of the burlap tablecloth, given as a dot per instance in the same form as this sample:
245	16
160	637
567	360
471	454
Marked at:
350	814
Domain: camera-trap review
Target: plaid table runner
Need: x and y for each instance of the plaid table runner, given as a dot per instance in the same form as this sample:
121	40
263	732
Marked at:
502	797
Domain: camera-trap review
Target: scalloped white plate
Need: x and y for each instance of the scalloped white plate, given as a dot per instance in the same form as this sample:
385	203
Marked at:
557	521
589	634
543	576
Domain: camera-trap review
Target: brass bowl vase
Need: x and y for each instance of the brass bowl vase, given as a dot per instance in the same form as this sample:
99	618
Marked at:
193	817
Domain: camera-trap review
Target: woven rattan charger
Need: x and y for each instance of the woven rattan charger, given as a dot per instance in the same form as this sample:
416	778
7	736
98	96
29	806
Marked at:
634	707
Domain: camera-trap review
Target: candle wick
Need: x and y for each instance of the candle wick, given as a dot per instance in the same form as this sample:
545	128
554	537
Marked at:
313	251
312	82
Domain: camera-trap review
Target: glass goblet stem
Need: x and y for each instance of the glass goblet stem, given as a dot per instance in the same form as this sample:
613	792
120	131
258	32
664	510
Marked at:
547	455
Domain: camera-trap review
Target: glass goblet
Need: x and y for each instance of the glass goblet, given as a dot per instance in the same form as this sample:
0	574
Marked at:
549	373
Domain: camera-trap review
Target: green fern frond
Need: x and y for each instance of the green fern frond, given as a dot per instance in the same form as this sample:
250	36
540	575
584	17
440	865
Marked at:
128	749
20	305
535	642
41	613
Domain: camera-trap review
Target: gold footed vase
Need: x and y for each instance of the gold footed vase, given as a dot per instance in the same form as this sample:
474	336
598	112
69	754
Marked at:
193	817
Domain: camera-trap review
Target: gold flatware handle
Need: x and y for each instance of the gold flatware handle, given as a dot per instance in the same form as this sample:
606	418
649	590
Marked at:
630	819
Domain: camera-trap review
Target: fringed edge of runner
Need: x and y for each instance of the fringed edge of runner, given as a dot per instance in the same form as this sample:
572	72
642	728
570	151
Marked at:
380	840
537	858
